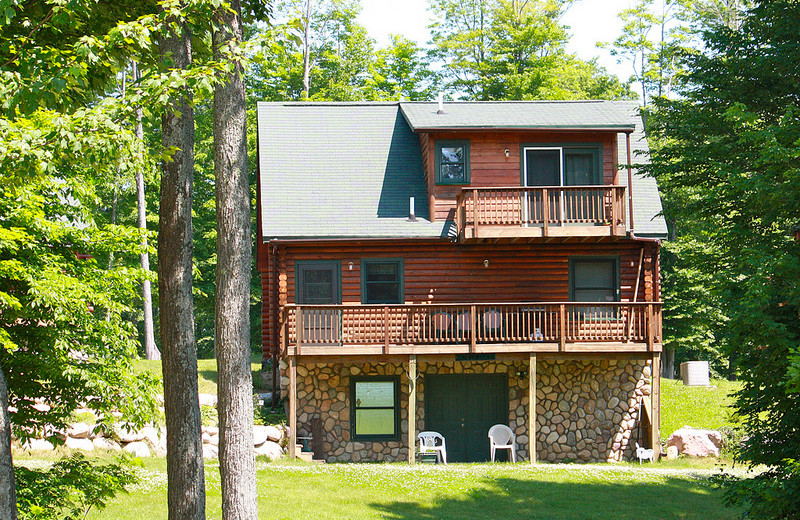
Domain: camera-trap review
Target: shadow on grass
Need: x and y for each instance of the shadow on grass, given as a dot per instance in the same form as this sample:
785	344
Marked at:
512	498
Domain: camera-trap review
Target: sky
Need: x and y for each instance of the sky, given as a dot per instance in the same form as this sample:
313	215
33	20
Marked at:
590	21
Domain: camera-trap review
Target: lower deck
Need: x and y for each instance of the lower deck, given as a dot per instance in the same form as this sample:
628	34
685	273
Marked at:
575	407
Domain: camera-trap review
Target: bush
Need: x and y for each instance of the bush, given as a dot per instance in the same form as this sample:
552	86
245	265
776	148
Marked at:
70	487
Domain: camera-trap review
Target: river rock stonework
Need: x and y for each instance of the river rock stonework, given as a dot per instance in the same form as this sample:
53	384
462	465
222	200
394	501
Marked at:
586	410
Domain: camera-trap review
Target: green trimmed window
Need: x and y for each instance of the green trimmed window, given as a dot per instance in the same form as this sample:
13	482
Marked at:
375	408
452	162
382	280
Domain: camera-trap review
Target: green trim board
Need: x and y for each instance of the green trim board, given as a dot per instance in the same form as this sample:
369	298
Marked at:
371	409
612	260
450	161
379	285
566	150
301	269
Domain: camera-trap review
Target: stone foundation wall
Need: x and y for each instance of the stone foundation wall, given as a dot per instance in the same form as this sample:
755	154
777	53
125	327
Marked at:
586	410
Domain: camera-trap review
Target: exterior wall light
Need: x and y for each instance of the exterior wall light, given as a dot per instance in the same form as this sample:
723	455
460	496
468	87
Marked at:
486	263
350	266
507	152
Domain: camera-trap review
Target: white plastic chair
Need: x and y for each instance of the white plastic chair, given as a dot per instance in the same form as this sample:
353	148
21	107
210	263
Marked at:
643	453
428	444
502	438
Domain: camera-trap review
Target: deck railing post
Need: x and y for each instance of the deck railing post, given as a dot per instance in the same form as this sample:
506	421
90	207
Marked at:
563	315
545	212
473	340
298	320
386	330
650	331
474	213
459	209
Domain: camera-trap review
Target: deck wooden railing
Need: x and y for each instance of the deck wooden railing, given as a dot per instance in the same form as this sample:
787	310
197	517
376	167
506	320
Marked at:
464	323
544	206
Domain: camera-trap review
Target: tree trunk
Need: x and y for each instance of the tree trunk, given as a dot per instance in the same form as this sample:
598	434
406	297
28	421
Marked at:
185	473
150	347
8	497
234	256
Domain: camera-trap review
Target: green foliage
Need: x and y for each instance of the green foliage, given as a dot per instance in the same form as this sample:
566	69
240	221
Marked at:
70	488
729	153
503	49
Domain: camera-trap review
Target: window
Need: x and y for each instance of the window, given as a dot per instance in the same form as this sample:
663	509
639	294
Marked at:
594	279
452	162
562	165
375	407
318	283
382	280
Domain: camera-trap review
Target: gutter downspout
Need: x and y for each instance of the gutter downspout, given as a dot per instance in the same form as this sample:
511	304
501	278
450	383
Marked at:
275	324
630	178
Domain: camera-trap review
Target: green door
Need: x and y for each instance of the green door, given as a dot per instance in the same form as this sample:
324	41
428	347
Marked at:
462	407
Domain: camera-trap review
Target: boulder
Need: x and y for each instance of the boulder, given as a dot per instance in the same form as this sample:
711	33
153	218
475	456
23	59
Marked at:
126	435
696	442
269	449
101	443
262	434
672	452
210	451
207	399
138	448
79	431
79	444
214	440
38	445
150	435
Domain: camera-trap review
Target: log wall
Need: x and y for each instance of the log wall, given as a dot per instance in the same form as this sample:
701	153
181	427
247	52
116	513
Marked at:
443	272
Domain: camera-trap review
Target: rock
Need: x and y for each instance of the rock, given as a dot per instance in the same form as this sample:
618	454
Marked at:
672	452
150	435
79	431
696	442
260	435
210	451
214	440
125	435
101	443
269	449
137	448
207	399
79	444
38	445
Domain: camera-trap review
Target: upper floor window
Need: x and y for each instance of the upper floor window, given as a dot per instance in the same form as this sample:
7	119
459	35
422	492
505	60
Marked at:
452	162
568	165
382	280
594	279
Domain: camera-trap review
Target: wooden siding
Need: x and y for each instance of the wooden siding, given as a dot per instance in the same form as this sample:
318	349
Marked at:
491	168
443	272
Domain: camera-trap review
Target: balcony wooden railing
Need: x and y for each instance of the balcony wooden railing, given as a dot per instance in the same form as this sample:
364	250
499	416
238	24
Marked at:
464	327
540	211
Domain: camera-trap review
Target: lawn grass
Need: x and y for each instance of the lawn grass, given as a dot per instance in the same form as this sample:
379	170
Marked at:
206	372
298	491
696	406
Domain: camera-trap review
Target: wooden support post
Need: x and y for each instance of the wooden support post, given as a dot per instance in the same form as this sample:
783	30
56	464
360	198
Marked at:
412	408
635	296
473	335
532	406
292	406
474	213
545	213
298	323
650	331
563	320
386	330
655	405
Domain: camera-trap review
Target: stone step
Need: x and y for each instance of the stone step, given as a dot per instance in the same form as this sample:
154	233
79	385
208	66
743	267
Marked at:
307	456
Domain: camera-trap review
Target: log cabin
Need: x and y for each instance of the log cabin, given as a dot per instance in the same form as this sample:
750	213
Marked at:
450	266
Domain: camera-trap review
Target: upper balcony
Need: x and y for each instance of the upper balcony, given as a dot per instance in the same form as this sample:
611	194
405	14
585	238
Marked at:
540	212
471	328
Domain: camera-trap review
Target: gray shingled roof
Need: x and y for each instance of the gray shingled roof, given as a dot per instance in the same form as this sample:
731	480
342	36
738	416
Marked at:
347	170
340	170
606	115
647	218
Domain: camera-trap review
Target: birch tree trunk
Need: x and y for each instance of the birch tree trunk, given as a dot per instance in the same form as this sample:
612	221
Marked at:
8	497
150	347
234	256
307	51
185	472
